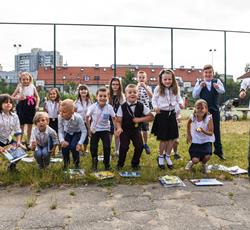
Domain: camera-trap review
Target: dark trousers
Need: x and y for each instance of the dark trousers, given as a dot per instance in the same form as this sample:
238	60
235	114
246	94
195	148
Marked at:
136	138
53	123
216	121
105	137
73	141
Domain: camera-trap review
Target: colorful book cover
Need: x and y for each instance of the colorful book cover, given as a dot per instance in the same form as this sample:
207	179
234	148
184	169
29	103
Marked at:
75	173
130	174
171	181
13	153
103	175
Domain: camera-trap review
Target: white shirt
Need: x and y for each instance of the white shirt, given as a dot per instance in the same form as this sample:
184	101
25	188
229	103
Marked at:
82	107
26	90
197	88
146	110
100	116
9	125
199	137
73	125
52	108
42	137
166	102
245	84
143	95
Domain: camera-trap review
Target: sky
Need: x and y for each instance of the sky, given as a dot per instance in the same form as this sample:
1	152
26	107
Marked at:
87	46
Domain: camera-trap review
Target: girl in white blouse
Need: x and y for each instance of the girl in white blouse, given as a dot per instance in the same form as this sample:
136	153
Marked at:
166	96
9	125
28	101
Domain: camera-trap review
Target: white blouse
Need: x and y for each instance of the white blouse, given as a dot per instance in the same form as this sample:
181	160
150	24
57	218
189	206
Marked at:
82	107
52	108
199	137
166	102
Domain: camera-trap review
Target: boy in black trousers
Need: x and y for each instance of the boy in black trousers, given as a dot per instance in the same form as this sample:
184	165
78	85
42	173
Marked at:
209	89
129	116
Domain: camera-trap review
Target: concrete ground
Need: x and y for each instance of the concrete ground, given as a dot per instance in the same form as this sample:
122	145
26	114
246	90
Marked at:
127	207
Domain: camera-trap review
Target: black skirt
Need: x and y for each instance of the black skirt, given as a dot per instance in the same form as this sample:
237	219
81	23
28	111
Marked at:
26	112
53	123
165	126
200	150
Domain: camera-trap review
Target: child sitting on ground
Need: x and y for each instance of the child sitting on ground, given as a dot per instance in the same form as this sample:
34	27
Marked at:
43	140
200	135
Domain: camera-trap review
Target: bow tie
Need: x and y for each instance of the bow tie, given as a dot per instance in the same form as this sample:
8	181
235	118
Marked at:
132	105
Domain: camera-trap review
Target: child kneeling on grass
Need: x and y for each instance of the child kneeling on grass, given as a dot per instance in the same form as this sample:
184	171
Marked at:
130	115
43	140
200	135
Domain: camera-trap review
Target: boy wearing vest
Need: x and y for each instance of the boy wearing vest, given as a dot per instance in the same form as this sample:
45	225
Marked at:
209	89
129	117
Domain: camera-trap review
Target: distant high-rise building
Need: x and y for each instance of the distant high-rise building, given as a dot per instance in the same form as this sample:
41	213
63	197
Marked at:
37	58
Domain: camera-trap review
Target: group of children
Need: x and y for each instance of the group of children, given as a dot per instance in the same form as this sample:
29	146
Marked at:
70	124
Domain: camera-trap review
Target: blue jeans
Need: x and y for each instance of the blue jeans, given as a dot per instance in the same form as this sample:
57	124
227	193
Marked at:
73	141
42	154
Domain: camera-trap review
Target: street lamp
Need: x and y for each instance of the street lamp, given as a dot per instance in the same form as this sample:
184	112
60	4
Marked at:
64	78
212	51
17	46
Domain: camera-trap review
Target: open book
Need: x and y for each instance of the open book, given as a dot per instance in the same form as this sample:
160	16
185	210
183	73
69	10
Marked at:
75	173
13	153
171	181
103	175
206	182
235	170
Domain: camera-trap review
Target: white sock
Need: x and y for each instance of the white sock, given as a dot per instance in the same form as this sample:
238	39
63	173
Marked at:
169	162
161	160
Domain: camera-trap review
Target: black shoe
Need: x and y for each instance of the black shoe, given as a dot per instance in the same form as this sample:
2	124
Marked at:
170	166
136	167
107	167
76	166
177	156
220	155
249	170
118	167
160	166
65	167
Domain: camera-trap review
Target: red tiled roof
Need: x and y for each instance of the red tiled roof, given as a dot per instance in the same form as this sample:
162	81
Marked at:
245	75
105	74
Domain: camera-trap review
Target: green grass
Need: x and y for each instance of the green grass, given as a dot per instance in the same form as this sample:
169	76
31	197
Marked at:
235	143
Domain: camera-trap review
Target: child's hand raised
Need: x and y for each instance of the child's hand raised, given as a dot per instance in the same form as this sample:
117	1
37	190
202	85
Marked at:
216	86
64	144
203	84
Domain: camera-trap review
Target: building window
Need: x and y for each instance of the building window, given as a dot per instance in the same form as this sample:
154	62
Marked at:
96	78
86	78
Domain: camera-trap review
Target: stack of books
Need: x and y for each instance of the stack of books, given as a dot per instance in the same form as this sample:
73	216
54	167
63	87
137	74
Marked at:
130	174
206	182
171	181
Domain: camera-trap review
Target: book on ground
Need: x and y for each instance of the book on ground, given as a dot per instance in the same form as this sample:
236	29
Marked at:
235	170
75	173
103	175
55	160
28	159
206	182
129	174
13	153
171	181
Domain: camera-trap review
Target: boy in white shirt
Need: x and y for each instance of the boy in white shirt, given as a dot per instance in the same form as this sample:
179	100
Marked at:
99	128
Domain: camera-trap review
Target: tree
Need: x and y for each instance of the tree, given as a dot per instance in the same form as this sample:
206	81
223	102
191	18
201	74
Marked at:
128	79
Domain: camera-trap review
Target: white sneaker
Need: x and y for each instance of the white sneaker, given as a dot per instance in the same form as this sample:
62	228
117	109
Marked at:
189	165
205	169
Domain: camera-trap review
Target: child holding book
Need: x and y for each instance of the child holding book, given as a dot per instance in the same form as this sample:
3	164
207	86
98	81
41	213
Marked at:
99	113
130	115
200	135
43	140
71	131
9	125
